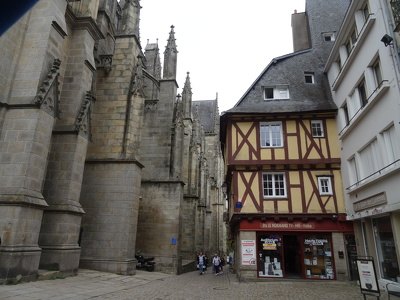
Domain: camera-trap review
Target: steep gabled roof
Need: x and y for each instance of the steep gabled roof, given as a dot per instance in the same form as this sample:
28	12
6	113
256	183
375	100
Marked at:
289	70
207	113
274	61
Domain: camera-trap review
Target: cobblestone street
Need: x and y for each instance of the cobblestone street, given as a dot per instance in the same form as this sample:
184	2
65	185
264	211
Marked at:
158	286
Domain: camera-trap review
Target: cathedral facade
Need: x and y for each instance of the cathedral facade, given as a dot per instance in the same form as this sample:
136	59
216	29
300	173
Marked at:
100	153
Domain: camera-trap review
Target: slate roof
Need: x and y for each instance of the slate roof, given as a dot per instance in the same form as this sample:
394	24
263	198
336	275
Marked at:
207	113
289	70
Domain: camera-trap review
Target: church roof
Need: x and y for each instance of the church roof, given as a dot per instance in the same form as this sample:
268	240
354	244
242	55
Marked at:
207	114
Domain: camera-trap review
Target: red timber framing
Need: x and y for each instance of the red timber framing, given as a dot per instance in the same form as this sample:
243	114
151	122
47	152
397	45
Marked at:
302	134
308	202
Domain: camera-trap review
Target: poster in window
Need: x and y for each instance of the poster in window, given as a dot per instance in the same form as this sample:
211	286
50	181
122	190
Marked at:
248	252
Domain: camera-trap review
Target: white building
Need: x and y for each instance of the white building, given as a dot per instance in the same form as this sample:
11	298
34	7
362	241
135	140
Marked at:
363	72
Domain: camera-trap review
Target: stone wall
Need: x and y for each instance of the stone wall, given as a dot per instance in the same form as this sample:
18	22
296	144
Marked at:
160	219
79	146
110	199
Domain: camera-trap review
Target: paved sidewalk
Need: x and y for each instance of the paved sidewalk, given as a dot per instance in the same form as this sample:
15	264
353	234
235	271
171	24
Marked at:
89	284
86	285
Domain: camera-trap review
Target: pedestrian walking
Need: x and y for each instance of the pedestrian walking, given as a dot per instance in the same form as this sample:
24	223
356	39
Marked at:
200	262
216	263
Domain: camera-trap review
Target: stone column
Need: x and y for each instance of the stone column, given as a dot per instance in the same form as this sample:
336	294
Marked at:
62	219
112	176
29	109
24	146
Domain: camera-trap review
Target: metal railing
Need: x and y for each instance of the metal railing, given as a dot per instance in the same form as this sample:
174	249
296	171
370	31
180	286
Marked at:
373	174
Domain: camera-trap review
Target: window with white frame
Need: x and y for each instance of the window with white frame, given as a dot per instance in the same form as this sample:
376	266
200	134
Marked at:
362	93
365	11
328	36
390	149
276	92
317	128
339	62
394	5
309	77
376	67
353	103
353	171
369	163
271	134
351	41
325	185
274	185
345	115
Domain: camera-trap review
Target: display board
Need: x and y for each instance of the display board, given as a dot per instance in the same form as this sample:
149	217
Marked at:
248	252
367	276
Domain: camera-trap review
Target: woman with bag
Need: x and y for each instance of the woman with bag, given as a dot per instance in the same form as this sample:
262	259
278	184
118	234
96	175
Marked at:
200	262
216	263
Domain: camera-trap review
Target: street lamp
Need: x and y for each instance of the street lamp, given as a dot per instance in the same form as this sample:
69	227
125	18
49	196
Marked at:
224	188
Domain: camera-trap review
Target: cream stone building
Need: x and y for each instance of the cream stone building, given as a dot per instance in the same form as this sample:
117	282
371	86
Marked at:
99	154
363	72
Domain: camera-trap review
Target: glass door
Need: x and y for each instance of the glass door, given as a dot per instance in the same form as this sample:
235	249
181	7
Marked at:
270	255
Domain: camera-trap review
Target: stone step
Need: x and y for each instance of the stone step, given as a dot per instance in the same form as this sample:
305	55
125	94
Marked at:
46	274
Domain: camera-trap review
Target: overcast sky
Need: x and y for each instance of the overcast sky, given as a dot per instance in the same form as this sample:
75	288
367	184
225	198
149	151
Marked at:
224	44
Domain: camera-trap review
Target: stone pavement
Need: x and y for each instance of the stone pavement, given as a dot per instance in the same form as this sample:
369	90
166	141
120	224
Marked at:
89	284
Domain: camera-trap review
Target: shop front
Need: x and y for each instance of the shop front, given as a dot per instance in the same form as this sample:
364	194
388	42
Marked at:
304	249
295	255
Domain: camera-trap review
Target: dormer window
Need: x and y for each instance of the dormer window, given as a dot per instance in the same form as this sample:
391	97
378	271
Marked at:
276	92
328	36
309	77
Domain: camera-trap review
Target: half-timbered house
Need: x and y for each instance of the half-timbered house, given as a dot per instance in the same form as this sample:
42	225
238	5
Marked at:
286	209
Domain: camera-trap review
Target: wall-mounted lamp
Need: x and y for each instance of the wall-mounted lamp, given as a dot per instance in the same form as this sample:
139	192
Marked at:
387	40
224	187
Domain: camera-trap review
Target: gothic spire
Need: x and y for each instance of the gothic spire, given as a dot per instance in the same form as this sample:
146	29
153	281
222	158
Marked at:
170	57
187	98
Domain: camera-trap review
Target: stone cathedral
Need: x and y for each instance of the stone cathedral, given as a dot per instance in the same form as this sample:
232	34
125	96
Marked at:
101	153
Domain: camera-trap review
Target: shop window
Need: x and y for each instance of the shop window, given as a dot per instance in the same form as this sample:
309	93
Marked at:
270	255
318	262
385	245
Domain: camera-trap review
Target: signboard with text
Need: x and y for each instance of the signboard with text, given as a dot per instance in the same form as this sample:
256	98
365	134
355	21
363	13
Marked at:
287	225
367	276
248	252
